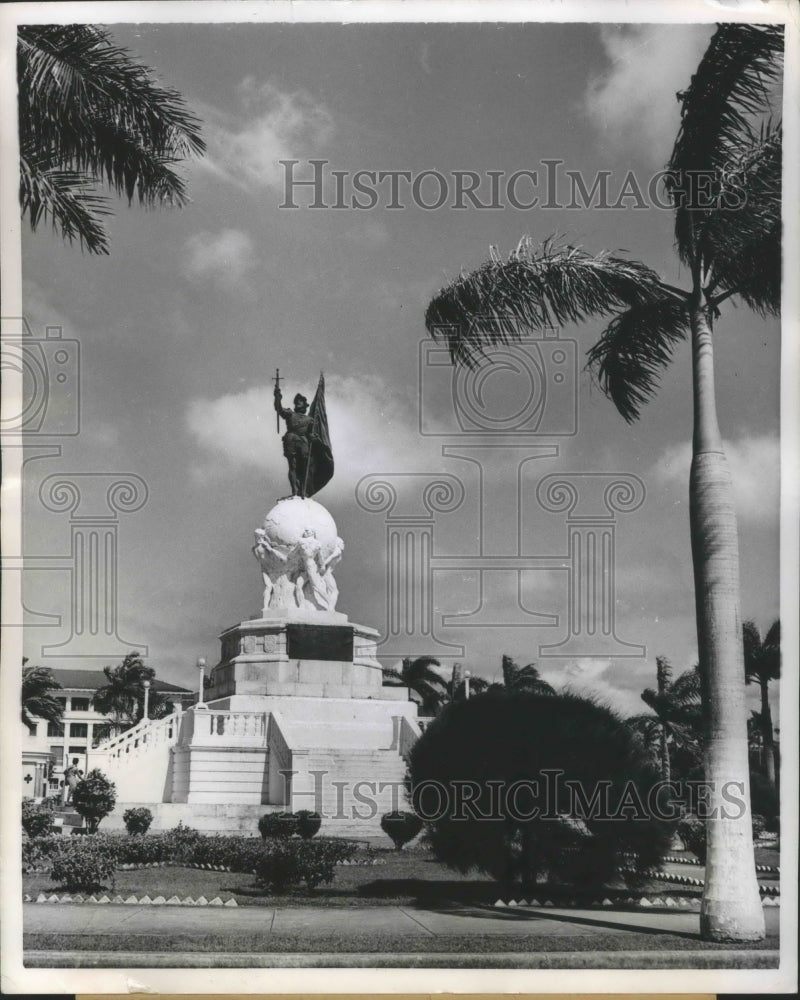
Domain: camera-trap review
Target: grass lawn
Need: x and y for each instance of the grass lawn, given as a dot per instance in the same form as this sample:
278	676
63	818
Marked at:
481	944
403	878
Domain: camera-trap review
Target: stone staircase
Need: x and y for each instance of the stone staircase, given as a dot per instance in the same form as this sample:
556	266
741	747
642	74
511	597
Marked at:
351	789
138	761
220	769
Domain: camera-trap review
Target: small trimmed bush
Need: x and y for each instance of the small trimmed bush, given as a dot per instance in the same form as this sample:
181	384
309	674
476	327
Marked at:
400	827
137	820
692	832
37	819
285	864
759	825
308	823
89	865
94	798
277	824
179	841
38	852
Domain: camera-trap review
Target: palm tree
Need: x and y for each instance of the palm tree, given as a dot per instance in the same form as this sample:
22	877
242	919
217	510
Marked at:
121	697
762	664
456	688
676	714
89	114
37	702
418	676
524	678
726	253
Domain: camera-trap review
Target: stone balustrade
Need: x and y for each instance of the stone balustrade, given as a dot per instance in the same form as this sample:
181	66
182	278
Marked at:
210	726
146	734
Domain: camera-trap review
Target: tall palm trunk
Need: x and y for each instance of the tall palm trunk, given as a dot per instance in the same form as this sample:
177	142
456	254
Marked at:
731	908
768	741
666	770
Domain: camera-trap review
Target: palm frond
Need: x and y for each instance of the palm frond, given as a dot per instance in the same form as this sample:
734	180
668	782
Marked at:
89	113
685	689
751	641
37	702
742	236
75	71
68	199
634	348
729	89
536	286
762	657
773	636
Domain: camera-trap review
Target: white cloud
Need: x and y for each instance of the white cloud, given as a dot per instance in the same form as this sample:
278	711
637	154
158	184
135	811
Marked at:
371	430
226	256
754	462
634	102
589	675
273	125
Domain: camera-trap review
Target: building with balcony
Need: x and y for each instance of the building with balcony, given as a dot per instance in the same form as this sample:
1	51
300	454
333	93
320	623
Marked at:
48	750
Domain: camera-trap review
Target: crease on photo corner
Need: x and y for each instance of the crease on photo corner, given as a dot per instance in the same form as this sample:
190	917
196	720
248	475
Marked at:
134	986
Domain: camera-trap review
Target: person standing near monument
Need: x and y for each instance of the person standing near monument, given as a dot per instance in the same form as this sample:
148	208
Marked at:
72	775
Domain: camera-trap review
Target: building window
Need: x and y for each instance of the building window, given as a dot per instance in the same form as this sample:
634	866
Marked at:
57	755
79	730
63	703
80	704
33	729
55	729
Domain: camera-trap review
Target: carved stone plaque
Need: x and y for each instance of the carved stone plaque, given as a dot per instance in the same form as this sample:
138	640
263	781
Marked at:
320	642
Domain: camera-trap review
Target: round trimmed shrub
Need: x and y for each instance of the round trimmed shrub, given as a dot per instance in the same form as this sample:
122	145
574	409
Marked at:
308	823
401	827
94	798
759	825
285	864
89	865
277	824
137	820
529	787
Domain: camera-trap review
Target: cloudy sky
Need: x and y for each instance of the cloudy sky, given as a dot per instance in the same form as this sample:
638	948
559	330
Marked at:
183	325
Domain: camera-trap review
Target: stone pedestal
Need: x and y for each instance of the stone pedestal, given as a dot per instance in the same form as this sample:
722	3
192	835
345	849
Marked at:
296	717
295	654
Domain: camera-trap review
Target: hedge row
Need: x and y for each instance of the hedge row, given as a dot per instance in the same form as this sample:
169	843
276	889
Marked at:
279	864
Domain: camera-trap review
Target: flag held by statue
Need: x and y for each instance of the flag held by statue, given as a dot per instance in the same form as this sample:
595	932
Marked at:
319	470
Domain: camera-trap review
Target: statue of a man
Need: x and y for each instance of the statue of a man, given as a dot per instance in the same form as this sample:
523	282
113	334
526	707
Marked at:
311	590
296	440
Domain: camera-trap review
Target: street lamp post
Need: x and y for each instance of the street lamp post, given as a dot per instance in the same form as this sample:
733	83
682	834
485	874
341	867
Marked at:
146	686
201	669
467	676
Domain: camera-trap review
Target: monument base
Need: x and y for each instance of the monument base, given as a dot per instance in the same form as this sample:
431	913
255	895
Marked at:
299	654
